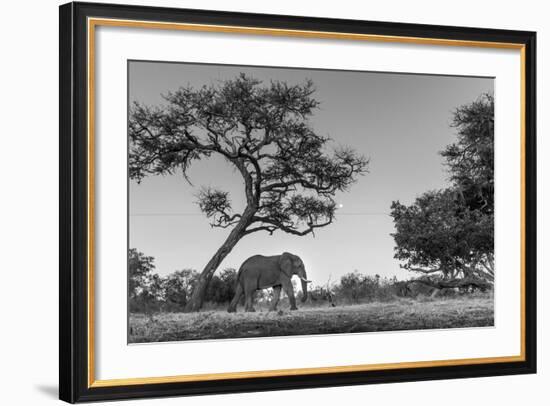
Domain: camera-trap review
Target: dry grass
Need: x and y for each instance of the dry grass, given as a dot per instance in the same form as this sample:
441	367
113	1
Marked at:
402	314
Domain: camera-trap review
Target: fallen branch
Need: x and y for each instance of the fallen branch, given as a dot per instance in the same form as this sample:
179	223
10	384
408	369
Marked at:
454	283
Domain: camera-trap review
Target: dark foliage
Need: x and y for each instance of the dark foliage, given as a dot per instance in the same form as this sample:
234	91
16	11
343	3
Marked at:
437	233
450	232
150	292
144	286
178	287
221	288
140	268
355	287
471	158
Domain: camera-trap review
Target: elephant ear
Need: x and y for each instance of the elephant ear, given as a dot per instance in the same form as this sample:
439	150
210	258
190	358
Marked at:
285	263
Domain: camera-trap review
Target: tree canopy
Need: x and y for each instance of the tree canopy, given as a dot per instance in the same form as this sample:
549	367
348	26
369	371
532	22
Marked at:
438	234
140	268
470	160
290	173
450	232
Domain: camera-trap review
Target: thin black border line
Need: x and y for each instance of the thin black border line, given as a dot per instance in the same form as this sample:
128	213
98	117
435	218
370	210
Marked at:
235	65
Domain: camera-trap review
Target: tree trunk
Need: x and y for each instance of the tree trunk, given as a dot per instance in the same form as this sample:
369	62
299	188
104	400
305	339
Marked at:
196	300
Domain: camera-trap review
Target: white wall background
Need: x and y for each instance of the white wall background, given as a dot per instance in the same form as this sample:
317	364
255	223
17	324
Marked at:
28	204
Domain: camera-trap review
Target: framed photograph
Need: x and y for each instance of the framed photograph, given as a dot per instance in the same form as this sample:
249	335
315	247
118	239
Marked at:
257	202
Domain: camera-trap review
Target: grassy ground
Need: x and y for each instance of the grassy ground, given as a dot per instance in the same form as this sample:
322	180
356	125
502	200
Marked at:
401	314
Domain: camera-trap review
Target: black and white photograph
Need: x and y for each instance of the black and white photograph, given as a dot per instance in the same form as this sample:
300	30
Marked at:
269	201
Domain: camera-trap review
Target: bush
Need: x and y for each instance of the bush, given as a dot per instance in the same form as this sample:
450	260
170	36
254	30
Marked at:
149	292
144	287
221	288
178	286
355	287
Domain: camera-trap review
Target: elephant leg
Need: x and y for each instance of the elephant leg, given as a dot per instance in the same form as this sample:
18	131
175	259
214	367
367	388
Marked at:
276	295
238	294
249	298
289	290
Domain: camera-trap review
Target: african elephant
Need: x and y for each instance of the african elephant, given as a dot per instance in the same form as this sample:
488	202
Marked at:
261	272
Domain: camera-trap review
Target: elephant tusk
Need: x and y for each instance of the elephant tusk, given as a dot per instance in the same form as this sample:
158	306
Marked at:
304	279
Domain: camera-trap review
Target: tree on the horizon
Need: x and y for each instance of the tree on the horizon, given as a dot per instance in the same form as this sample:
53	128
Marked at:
450	233
290	177
145	287
140	270
470	160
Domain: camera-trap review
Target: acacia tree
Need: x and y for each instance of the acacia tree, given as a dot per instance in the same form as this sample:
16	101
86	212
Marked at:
437	234
451	232
290	178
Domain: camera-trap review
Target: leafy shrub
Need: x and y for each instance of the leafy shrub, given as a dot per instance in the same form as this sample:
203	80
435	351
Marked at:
355	287
221	288
178	286
149	292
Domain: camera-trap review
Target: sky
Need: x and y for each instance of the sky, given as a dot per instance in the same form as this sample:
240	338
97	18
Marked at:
399	121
